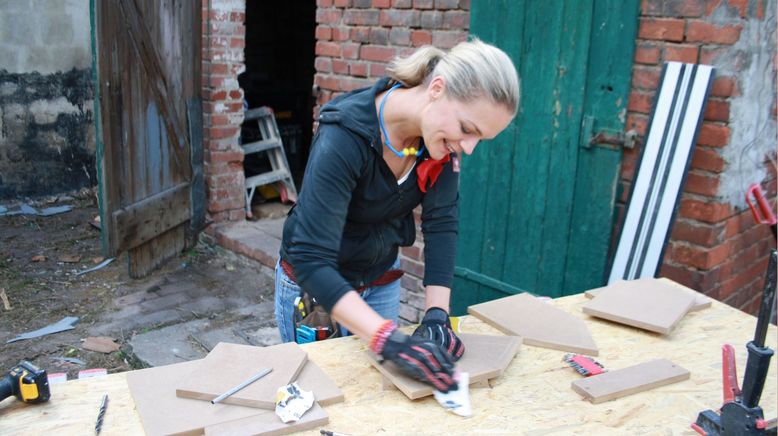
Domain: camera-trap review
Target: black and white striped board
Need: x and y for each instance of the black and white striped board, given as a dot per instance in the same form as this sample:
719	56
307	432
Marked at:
672	133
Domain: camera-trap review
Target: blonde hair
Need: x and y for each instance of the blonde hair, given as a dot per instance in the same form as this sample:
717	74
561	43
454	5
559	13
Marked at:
472	69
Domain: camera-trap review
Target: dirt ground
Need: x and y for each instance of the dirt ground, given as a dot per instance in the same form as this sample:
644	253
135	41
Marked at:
39	259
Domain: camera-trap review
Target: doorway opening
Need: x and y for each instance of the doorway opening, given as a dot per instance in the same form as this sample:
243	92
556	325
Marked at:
279	58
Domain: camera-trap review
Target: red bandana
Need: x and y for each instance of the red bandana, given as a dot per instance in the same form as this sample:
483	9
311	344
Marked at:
430	170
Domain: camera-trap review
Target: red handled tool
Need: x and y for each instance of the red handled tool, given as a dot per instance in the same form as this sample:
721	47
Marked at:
763	213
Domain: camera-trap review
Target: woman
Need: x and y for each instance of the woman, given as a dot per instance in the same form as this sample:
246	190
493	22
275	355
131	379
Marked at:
377	154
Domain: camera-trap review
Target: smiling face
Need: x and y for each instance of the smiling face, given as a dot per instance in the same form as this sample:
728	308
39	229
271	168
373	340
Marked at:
452	126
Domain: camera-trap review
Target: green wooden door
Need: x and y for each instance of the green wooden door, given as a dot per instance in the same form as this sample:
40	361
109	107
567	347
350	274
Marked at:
537	202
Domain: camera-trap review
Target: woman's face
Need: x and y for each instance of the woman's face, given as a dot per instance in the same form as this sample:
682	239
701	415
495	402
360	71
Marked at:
451	126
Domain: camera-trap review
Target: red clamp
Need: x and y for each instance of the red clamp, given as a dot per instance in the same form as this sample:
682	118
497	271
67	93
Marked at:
765	213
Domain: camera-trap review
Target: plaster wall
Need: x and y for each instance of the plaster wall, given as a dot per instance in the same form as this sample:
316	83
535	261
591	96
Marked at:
752	112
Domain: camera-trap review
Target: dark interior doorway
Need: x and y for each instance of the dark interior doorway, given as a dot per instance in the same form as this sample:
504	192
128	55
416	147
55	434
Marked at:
279	57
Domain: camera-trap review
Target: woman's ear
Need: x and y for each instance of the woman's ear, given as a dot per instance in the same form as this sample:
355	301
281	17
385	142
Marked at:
436	88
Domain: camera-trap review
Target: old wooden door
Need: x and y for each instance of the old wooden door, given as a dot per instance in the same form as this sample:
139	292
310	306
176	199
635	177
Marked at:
538	201
148	127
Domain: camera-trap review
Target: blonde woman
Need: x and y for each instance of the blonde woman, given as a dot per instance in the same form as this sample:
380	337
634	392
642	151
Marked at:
377	154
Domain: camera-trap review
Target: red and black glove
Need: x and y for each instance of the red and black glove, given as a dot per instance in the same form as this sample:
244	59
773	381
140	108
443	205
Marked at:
436	327
417	358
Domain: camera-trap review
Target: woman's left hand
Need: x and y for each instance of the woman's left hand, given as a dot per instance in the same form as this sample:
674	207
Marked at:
436	327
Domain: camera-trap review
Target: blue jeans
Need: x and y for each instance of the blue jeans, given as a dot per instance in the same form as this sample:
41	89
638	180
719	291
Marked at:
383	299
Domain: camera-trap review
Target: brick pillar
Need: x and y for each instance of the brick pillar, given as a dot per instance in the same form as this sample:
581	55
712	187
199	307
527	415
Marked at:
715	245
355	41
223	43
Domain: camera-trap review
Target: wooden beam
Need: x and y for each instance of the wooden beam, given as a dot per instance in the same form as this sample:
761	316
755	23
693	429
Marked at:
142	221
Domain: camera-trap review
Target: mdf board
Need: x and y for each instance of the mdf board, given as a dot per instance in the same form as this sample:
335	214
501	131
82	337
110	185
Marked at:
628	381
229	365
658	310
485	358
163	413
648	284
537	322
260	424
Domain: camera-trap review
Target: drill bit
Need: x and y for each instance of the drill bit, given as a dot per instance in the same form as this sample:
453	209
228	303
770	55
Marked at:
101	414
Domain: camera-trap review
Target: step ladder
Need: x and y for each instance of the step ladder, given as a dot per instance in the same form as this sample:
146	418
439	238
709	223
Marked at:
270	142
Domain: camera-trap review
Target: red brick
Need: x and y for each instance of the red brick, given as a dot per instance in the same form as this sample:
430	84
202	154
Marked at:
412	252
423	4
341	33
323	65
717	110
668	29
709	212
217	68
323	3
215	95
400	17
724	87
446	4
708	160
697	233
348	83
713	135
377	53
700	257
236	94
362	17
629	162
645	77
684	8
379	36
700	31
327	82
358	69
223	132
421	37
339	66
456	20
342	3
237	43
447	38
360	34
702	184
218	120
647	54
412	267
640	102
683	275
382	4
651	7
324	48
323	33
350	50
377	70
400	36
402	4
225	156
681	53
637	122
711	6
328	16
431	20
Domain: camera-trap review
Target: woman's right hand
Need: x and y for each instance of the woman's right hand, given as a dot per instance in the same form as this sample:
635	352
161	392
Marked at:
420	359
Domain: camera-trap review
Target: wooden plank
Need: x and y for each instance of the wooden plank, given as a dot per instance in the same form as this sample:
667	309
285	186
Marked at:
162	412
228	365
140	222
631	380
657	310
268	424
146	257
486	357
646	285
537	322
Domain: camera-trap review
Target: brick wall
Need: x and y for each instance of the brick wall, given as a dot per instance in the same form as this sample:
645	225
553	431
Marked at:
715	245
223	42
355	41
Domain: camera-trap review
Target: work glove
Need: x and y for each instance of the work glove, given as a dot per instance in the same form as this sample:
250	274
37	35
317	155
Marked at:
420	359
436	327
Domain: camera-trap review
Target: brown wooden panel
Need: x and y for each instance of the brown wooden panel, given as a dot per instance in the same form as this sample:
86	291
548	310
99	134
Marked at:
145	257
152	216
148	62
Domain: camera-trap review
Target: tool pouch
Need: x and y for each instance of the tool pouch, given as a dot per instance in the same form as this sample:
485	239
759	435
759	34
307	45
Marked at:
320	324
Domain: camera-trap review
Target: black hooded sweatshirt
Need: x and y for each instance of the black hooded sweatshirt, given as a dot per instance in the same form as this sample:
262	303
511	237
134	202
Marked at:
351	216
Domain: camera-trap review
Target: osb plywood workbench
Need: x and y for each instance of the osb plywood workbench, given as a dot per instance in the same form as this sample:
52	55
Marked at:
532	397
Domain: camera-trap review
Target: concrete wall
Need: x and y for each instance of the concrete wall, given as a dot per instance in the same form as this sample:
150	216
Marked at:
46	125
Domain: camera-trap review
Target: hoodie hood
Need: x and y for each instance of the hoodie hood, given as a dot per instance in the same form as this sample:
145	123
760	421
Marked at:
356	112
